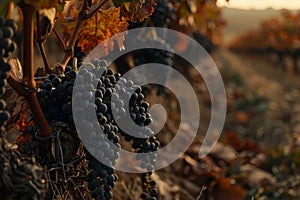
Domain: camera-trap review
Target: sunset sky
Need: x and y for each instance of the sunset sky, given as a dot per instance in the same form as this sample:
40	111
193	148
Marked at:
261	4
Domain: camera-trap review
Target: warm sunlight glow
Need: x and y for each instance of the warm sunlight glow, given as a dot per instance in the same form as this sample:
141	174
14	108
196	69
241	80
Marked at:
261	4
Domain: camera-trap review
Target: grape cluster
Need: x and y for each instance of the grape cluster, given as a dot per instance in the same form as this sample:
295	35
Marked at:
96	94
150	192
17	170
55	96
101	179
111	92
126	92
146	141
20	176
4	115
7	30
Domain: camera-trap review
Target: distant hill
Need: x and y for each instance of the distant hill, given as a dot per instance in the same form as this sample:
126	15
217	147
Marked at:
239	21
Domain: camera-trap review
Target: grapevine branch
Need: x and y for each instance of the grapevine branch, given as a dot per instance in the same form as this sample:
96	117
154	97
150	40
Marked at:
81	17
89	15
17	86
28	85
60	40
28	68
28	27
40	43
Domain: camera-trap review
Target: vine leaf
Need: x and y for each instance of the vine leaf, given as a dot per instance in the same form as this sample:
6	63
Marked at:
137	10
103	25
46	22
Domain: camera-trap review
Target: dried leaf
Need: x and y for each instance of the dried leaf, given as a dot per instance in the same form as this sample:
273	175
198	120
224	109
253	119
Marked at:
166	191
224	189
16	70
258	177
251	146
232	138
224	152
49	13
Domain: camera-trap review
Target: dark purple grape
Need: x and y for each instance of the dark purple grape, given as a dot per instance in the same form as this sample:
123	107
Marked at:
5	43
47	86
12	24
8	32
68	68
56	81
12	47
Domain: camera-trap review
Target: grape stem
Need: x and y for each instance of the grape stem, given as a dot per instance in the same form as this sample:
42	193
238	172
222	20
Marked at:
41	44
81	17
28	71
60	40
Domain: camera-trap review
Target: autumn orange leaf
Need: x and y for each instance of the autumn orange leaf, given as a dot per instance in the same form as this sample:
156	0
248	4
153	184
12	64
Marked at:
95	30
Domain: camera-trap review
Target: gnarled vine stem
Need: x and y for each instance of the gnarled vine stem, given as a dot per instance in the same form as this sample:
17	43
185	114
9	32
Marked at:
27	87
